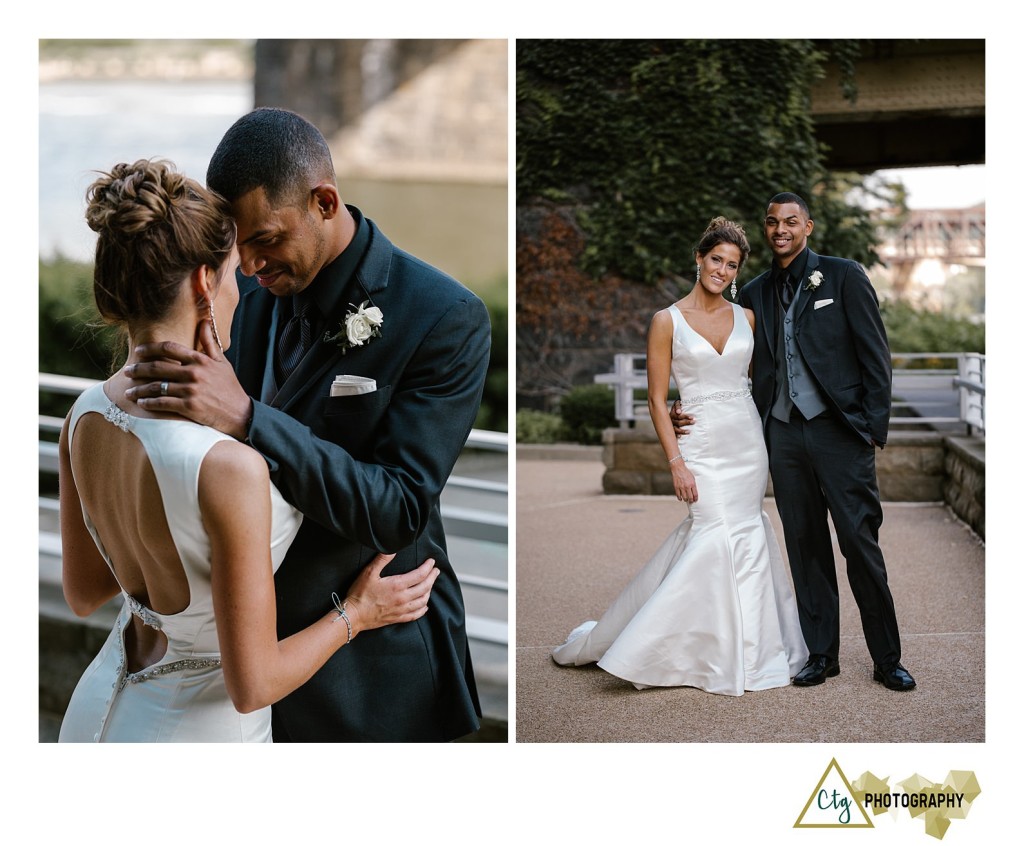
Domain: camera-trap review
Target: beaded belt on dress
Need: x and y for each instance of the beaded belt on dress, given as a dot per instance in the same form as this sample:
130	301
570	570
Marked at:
152	620
164	669
718	396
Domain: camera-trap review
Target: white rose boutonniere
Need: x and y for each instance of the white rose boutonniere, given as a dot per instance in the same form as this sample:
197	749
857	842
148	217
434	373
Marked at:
814	280
360	327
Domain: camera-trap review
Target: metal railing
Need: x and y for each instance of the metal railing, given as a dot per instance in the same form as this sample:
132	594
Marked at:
936	395
464	512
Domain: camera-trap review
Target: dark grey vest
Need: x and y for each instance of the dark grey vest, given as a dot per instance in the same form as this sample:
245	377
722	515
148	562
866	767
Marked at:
794	384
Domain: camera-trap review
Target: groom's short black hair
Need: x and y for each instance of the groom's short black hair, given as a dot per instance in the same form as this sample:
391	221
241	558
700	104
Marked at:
273	149
789	197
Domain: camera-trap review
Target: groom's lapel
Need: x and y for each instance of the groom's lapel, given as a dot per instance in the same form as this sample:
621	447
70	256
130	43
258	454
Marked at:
768	312
314	365
252	322
370	277
806	296
374	271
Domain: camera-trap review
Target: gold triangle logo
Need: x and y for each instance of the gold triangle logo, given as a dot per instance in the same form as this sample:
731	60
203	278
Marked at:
832	803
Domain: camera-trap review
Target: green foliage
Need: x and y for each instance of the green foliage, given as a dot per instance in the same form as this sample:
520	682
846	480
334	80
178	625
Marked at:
912	330
842	229
539	427
586	411
73	340
650	139
845	52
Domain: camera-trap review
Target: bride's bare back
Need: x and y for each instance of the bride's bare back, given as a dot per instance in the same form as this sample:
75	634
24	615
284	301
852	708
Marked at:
119	491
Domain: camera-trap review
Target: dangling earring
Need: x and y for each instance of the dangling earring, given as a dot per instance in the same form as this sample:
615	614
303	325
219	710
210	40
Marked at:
213	323
698	275
732	289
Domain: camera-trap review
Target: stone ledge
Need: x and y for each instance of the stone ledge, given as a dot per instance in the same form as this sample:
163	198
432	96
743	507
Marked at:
911	467
915	466
557	452
971	450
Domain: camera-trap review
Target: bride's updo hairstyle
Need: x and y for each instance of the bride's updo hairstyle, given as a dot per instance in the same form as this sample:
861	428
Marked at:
723	231
155	227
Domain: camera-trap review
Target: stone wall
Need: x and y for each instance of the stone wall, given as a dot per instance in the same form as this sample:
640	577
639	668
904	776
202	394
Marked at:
919	466
964	487
911	467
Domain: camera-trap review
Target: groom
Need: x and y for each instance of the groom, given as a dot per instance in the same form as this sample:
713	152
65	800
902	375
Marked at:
822	382
327	295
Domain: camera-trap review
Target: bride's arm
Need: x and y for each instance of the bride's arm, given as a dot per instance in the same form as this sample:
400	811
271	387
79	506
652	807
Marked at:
234	498
85	576
659	364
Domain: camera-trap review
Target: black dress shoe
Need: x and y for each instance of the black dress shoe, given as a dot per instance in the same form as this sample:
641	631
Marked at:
895	677
816	670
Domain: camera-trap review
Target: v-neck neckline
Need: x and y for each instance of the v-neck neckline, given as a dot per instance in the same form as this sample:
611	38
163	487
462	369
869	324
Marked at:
732	331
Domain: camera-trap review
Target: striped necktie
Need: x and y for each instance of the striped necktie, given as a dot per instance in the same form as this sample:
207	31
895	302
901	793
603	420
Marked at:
295	340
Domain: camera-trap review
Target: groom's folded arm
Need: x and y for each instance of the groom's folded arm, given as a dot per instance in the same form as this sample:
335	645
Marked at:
386	504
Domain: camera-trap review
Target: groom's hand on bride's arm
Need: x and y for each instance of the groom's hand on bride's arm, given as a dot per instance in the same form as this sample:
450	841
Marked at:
198	384
680	420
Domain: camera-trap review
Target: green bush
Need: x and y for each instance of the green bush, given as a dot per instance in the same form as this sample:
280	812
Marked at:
538	427
586	411
912	330
73	340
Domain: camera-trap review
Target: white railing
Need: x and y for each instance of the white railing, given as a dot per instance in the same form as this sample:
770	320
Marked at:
474	511
936	396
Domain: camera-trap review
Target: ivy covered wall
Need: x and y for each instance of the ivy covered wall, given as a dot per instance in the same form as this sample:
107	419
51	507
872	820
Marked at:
633	146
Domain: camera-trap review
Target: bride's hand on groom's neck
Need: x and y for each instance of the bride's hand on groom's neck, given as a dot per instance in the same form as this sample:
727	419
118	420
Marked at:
199	384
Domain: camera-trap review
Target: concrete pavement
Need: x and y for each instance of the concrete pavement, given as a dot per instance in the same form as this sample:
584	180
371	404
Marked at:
576	549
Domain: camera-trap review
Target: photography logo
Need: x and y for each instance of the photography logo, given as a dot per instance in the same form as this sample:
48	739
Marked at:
832	803
836	802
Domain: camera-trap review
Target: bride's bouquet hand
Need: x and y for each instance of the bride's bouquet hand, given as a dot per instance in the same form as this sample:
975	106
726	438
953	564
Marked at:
375	601
684	483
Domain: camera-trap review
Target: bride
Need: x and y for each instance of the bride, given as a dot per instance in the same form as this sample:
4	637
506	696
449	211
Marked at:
182	520
714	608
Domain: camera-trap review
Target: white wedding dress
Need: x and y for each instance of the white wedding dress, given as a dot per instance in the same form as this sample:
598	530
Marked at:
714	608
182	697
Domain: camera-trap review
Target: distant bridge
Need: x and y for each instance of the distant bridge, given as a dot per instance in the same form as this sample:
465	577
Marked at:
954	236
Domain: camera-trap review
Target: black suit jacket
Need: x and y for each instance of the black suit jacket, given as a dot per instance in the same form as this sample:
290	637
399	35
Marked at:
839	332
366	471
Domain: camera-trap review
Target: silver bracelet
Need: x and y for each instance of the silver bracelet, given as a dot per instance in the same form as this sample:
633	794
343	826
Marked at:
342	615
676	458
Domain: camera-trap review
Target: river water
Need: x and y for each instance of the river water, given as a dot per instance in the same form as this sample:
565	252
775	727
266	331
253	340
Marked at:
89	125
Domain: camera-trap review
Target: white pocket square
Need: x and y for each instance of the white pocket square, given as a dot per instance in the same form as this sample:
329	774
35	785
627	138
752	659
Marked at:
347	386
822	304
